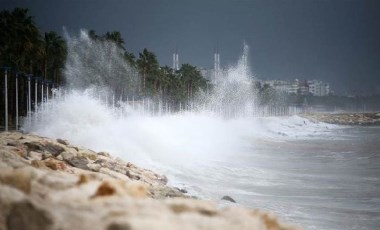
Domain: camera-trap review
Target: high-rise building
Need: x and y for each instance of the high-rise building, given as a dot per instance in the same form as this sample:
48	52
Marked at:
175	60
216	66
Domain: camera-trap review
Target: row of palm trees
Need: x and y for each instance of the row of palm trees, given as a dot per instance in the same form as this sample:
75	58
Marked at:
178	86
25	48
28	50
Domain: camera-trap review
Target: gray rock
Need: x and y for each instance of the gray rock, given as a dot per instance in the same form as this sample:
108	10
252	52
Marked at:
79	162
68	155
12	143
119	226
183	190
35	155
33	146
11	159
228	198
25	215
53	149
132	175
61	141
94	167
104	154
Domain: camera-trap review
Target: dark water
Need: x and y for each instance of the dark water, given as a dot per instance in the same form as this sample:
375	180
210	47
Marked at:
321	183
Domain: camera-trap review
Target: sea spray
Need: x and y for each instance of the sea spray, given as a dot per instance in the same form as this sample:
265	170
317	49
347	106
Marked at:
100	64
219	126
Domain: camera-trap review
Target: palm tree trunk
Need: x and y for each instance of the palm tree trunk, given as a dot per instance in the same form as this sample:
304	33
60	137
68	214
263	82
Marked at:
45	68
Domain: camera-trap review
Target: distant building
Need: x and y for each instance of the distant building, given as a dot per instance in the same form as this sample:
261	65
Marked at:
319	88
301	87
175	60
280	85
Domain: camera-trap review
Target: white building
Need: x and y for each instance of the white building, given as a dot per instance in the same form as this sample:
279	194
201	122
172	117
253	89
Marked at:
319	88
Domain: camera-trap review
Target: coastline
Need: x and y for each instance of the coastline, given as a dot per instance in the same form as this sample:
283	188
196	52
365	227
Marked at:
50	184
358	119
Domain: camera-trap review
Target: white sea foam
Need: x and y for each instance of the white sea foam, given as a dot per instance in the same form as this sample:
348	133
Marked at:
182	137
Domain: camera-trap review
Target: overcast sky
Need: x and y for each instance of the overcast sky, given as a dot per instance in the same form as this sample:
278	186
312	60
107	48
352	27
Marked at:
337	41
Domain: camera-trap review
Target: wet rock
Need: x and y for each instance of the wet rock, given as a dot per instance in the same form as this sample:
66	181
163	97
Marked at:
20	151
18	178
53	149
34	146
79	162
35	155
88	153
162	192
12	158
344	118
106	154
121	188
94	167
114	174
49	163
183	190
119	226
26	215
62	141
228	198
202	208
67	155
117	166
132	175
49	197
59	157
13	143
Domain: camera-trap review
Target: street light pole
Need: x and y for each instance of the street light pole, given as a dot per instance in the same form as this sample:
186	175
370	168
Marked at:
16	101
29	97
35	94
6	98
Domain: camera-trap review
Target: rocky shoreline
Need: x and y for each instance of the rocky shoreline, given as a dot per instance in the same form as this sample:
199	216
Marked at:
363	119
50	184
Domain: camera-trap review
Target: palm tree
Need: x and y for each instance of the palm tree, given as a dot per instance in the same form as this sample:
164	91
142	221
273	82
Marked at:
115	37
55	54
192	78
130	58
20	39
148	66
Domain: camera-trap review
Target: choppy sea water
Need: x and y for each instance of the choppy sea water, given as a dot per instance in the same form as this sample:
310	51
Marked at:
326	182
317	175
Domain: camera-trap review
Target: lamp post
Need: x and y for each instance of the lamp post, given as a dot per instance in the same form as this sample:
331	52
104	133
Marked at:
42	92
6	96
17	100
35	93
29	96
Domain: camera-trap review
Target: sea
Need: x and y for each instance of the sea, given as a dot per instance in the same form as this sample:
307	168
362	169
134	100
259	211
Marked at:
320	176
317	175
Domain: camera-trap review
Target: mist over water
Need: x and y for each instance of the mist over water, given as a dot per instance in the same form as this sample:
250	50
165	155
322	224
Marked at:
306	172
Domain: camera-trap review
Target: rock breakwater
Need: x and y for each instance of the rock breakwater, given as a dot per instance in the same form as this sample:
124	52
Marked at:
345	118
50	184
